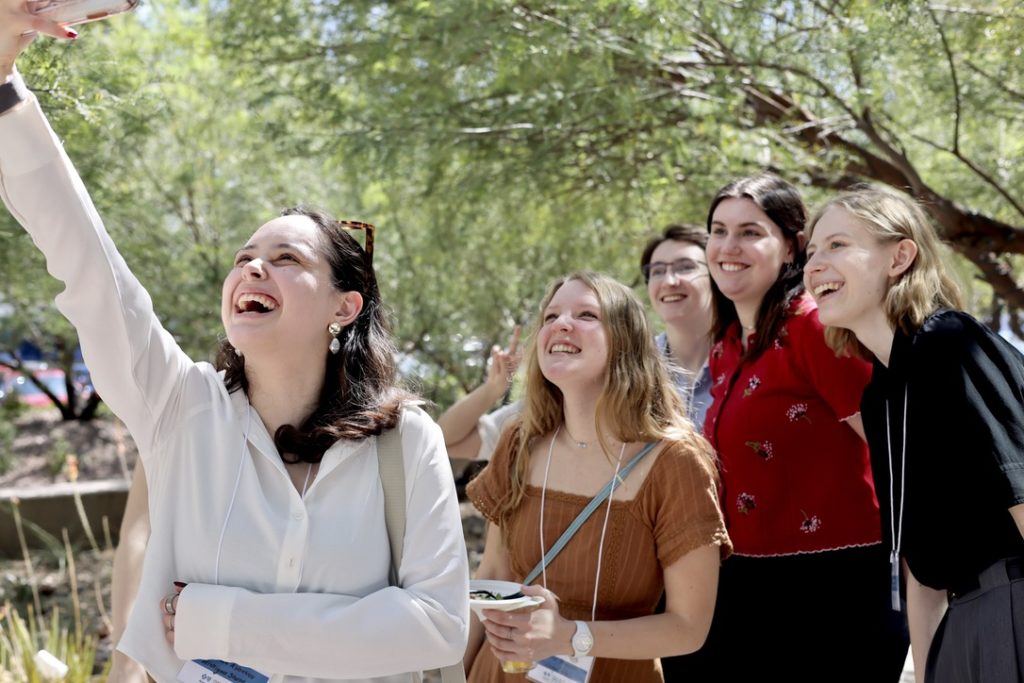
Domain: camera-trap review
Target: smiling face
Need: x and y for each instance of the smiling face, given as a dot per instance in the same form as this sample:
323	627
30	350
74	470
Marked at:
678	298
278	294
572	343
746	251
848	271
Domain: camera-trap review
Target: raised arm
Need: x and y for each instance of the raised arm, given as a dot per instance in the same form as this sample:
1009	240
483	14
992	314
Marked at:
459	422
134	362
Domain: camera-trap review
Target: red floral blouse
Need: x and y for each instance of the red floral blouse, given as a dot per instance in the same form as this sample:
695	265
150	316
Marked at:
795	477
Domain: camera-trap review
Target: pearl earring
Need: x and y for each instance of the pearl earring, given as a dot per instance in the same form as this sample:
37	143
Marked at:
334	329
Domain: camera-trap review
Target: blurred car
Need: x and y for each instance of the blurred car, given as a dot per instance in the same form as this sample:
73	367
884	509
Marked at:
29	394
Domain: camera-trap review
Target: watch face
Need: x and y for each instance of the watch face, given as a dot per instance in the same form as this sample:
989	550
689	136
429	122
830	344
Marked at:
582	641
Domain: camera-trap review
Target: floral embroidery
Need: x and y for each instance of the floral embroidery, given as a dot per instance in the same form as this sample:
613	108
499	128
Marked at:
777	344
745	503
717	350
753	384
797	411
810	524
762	448
719	379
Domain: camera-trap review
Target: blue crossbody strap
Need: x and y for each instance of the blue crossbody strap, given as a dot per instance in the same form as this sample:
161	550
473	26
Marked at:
601	496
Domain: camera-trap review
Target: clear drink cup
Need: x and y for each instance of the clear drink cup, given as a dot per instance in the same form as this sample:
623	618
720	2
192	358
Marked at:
511	666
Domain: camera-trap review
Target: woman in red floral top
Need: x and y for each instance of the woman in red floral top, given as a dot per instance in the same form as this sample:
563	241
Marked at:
806	596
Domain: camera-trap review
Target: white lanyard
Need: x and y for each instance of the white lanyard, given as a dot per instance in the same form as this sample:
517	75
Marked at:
604	528
896	524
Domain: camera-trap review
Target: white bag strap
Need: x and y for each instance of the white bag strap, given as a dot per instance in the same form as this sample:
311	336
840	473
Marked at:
391	469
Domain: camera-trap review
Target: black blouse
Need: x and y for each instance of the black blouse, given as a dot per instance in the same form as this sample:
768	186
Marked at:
964	446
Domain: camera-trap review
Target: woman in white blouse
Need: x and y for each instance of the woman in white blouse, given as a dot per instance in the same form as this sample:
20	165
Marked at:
265	501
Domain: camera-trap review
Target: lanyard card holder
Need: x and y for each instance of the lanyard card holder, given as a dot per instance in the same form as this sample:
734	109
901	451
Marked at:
561	669
216	671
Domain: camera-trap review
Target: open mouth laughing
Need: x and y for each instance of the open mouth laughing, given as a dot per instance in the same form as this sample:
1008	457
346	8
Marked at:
563	348
826	289
251	302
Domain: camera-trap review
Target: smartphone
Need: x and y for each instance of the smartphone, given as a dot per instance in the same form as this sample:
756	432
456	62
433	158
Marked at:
73	12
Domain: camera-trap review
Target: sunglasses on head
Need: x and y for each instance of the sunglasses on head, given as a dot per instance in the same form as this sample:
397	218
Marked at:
368	228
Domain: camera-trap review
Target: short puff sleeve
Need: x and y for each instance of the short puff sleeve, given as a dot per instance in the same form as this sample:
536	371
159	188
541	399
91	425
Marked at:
681	502
838	380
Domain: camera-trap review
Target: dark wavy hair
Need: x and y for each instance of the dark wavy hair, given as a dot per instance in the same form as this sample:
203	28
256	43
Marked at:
677	232
360	396
782	203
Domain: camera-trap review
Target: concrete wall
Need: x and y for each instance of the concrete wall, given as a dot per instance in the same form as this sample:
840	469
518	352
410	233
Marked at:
53	507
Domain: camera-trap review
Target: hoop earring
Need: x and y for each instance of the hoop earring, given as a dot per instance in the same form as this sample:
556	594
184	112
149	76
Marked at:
334	329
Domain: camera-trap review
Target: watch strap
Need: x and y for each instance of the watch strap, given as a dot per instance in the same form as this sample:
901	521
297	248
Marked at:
13	93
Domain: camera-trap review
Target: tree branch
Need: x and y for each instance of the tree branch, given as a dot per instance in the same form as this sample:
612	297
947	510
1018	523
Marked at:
952	73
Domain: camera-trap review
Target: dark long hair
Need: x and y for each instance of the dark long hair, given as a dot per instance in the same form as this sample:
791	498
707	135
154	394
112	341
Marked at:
782	203
359	397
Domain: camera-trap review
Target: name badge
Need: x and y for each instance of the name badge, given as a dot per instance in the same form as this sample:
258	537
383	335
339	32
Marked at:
894	582
216	671
559	669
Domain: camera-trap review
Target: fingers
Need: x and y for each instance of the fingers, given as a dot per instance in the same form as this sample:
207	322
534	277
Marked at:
514	342
503	639
550	599
168	622
19	27
51	28
169	609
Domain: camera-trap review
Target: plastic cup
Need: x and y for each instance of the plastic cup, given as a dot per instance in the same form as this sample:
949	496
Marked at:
521	604
511	666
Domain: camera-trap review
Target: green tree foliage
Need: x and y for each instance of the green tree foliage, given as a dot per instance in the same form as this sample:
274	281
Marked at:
599	118
498	144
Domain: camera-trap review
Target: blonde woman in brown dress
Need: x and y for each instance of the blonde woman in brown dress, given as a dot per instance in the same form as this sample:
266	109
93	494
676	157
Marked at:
596	393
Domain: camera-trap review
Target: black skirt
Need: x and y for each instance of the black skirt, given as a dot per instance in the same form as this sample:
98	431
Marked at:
801	619
981	637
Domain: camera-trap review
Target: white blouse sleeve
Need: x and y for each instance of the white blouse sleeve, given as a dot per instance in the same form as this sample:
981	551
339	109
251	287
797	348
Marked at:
422	625
492	424
135	364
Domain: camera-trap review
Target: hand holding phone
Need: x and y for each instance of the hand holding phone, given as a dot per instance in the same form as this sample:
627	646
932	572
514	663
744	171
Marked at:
73	12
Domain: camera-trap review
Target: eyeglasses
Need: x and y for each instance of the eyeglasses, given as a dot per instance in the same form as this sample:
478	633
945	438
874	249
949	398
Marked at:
368	228
684	267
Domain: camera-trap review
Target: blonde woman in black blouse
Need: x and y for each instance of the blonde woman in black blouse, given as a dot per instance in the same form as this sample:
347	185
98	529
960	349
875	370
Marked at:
944	416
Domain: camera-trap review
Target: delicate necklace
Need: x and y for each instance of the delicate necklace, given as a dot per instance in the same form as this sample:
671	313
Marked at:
574	441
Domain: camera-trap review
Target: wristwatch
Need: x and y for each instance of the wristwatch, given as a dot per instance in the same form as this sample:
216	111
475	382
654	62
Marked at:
582	640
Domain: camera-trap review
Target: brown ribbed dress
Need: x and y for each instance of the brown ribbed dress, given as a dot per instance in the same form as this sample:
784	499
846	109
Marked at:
675	511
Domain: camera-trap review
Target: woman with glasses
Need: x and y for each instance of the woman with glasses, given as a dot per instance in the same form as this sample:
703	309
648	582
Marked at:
944	415
805	596
268	556
676	272
597	392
